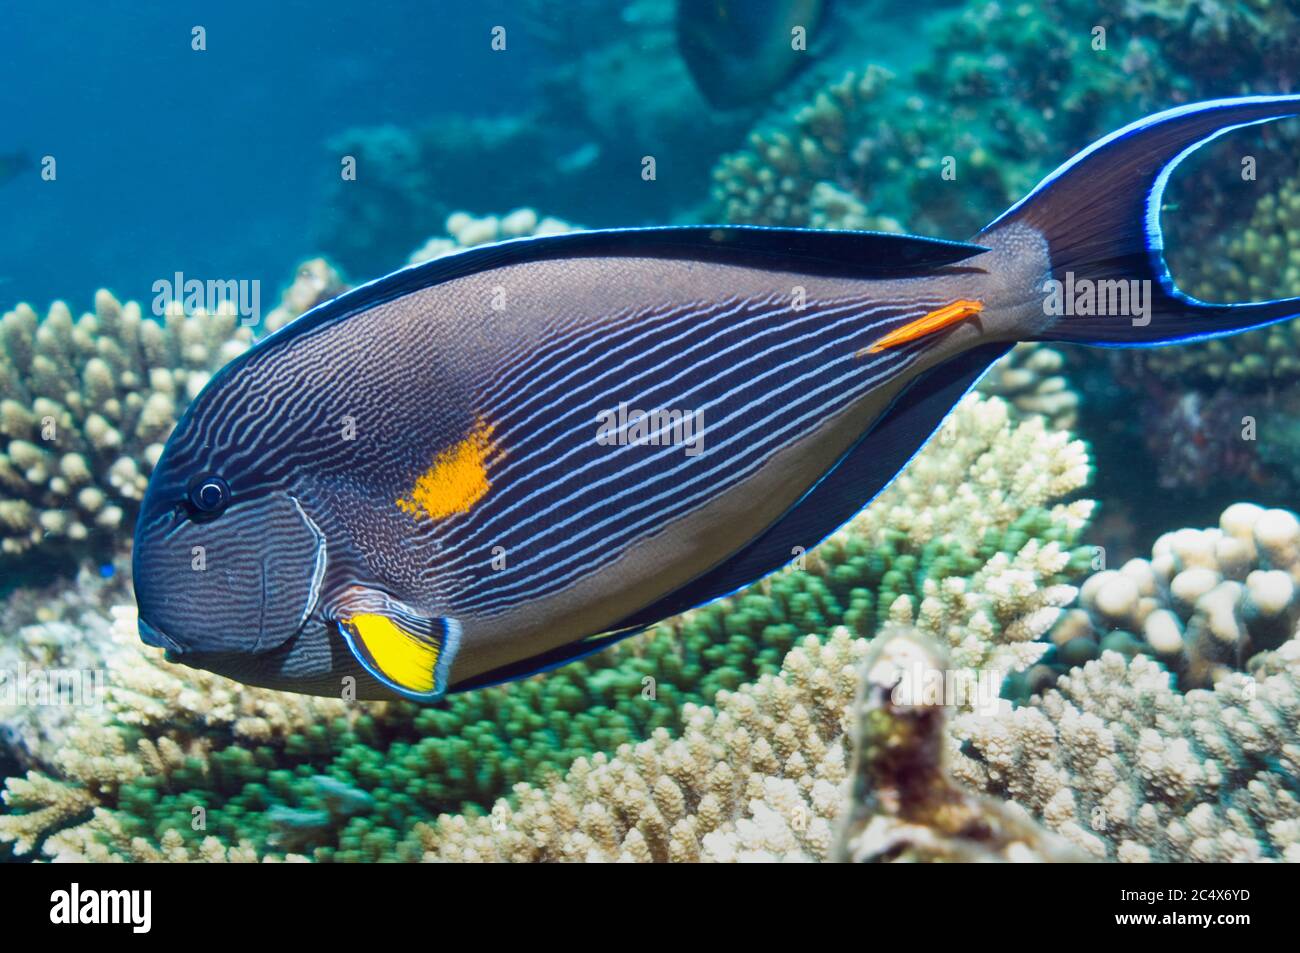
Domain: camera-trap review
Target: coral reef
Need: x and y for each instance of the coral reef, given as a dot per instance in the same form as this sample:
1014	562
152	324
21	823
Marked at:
1194	36
1206	602
1002	95
156	738
85	406
932	149
1114	759
829	164
465	231
1031	379
51	659
1005	91
1148	713
902	804
963	543
757	777
1127	768
775	179
245	751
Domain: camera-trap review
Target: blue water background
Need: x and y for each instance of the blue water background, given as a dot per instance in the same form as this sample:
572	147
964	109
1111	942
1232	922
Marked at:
210	163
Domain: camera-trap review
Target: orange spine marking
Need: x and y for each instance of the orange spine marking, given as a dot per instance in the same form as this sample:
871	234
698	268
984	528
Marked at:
946	316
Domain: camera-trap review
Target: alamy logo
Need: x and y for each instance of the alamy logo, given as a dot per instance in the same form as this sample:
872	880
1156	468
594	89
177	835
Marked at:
74	906
242	296
1112	297
921	685
651	428
53	686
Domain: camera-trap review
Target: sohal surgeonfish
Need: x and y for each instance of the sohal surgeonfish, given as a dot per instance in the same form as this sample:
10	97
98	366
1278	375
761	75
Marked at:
484	466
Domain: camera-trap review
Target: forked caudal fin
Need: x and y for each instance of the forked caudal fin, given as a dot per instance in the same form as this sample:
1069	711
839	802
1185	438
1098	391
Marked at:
1100	214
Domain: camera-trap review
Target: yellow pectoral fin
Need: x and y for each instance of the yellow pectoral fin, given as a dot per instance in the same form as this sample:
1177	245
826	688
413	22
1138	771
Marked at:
944	317
415	664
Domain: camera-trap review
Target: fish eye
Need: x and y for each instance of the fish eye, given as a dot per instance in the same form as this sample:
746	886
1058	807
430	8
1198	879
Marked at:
209	496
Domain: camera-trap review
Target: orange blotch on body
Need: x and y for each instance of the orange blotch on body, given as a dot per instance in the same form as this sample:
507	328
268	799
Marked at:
456	480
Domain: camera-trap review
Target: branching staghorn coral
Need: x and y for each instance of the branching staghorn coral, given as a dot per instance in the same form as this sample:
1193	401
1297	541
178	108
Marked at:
85	406
52	641
757	777
315	281
973	517
1114	759
405	762
155	733
1127	768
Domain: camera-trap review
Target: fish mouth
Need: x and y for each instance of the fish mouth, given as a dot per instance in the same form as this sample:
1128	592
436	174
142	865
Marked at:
151	635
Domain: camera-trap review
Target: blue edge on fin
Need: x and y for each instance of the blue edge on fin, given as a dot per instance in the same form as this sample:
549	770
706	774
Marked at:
859	476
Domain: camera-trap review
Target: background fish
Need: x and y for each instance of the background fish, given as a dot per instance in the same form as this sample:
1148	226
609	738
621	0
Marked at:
12	165
740	52
407	486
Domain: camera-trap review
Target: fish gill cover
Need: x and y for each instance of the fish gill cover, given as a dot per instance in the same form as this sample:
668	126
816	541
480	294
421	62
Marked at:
1096	554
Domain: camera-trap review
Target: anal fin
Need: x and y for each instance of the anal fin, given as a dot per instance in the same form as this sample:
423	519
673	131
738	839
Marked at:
545	661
